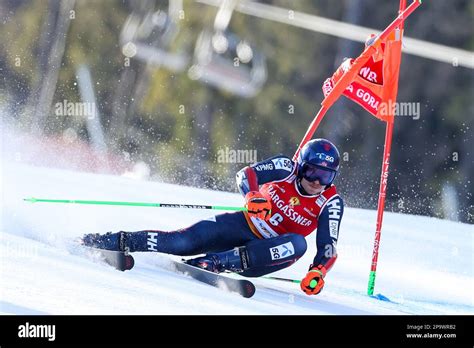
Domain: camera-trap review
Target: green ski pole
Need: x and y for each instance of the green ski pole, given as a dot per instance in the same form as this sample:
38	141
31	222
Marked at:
135	204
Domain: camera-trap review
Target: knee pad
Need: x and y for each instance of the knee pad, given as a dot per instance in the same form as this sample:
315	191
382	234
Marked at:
299	243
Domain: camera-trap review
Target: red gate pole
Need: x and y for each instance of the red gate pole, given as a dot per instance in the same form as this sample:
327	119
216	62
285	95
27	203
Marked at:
381	204
311	129
383	188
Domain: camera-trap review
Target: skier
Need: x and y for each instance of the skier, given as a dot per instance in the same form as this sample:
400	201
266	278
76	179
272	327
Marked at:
285	202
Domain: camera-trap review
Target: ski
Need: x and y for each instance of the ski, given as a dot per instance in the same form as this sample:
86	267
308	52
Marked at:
243	287
119	260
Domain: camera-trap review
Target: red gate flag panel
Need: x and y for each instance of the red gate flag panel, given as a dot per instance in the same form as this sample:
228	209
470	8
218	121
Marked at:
376	84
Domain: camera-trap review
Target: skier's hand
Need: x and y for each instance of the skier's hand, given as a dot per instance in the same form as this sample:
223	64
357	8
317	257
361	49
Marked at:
257	205
313	282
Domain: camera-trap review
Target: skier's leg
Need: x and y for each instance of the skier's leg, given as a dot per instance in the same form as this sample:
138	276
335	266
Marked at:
222	233
271	255
256	257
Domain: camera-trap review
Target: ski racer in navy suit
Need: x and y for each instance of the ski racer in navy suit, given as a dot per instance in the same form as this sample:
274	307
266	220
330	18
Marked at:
285	201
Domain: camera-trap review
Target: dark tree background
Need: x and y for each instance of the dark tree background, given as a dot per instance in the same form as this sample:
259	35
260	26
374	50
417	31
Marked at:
177	125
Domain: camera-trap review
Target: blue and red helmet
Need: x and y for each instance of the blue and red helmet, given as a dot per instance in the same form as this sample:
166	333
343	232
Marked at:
318	160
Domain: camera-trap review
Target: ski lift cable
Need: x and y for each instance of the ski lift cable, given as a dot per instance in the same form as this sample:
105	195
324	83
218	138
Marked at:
425	49
175	8
224	14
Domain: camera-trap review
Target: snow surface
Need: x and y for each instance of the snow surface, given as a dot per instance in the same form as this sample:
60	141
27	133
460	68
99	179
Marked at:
425	264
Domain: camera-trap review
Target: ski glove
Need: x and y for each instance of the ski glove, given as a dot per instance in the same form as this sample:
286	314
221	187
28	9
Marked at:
313	282
257	205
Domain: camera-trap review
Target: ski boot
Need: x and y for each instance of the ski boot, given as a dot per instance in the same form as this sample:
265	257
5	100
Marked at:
209	262
235	260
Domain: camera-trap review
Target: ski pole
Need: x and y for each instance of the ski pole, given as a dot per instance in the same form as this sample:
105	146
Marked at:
283	279
135	204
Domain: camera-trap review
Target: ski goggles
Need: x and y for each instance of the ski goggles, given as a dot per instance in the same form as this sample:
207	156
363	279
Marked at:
311	172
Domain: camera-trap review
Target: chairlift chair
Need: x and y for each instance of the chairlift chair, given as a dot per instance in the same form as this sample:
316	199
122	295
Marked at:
223	60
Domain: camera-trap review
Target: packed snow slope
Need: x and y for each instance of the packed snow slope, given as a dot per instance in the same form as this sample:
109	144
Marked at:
425	264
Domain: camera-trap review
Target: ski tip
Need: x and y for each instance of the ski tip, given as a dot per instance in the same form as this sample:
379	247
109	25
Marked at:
249	289
129	262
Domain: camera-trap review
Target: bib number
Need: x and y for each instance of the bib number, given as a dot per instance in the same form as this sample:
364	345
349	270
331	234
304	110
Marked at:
276	219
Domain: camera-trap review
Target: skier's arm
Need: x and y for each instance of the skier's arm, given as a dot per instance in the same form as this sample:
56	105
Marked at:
326	239
247	180
275	168
328	232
